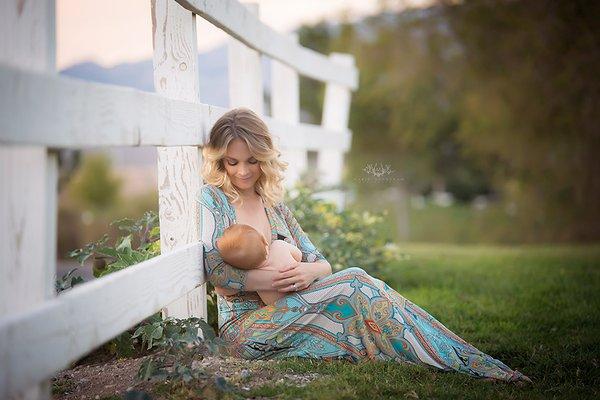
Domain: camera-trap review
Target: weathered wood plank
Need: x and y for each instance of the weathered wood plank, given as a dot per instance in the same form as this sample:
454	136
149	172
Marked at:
285	106
336	110
27	180
245	73
72	113
176	76
37	343
235	19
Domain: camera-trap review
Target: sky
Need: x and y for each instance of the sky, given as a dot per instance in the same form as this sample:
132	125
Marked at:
111	32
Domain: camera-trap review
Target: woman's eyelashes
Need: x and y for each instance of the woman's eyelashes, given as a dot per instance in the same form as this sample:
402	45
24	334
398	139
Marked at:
235	163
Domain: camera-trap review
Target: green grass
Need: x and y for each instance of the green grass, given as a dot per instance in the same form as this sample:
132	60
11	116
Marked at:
461	223
535	308
458	223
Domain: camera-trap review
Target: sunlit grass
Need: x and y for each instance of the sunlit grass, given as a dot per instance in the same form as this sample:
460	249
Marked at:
536	308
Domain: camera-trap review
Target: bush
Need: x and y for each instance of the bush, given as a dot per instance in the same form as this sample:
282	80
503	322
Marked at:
140	242
94	185
178	348
346	238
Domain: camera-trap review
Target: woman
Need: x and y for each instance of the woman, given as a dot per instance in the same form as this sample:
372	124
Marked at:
346	315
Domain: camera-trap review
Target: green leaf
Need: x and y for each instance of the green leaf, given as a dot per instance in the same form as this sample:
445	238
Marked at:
125	244
146	369
107	251
208	333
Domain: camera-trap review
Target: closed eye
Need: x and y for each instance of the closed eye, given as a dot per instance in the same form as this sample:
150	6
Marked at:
232	163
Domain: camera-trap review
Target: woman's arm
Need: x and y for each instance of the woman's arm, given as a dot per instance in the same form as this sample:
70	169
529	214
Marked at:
261	279
214	220
256	279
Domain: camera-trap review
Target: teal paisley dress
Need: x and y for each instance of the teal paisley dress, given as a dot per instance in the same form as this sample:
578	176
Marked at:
347	315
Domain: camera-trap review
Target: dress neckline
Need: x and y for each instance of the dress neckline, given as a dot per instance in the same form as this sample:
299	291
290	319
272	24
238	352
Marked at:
267	211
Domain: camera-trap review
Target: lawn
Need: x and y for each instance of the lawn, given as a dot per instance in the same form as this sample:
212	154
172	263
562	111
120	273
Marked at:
536	308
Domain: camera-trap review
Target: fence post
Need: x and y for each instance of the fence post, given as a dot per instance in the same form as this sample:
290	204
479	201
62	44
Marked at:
28	179
336	109
285	106
245	73
176	76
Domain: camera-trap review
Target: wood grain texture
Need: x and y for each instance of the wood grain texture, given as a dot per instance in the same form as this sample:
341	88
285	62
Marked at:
176	77
45	339
242	24
28	183
72	113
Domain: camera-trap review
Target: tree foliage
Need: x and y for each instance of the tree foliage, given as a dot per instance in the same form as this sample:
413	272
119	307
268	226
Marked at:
94	185
482	97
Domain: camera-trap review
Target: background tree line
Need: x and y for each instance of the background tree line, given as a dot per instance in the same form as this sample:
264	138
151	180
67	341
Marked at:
498	98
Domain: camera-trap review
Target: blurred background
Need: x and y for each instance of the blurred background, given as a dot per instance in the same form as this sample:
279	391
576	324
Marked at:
474	121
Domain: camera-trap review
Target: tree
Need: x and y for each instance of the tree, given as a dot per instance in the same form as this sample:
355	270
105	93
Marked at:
94	185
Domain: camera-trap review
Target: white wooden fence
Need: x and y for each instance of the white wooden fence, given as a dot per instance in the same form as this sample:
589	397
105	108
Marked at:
42	333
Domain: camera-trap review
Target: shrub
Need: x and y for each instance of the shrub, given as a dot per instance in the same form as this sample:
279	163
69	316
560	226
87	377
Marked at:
94	185
67	281
346	238
140	242
178	348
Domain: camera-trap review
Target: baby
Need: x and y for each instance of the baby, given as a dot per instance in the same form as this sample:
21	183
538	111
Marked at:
244	247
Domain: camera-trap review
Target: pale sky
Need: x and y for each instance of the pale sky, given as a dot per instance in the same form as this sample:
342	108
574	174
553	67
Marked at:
111	32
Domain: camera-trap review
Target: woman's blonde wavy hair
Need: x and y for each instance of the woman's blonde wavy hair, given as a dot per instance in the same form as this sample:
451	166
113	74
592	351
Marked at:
243	123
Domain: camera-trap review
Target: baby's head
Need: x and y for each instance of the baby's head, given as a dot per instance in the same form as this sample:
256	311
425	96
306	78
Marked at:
243	246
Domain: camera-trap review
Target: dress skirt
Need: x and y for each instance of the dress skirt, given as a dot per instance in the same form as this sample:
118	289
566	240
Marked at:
353	316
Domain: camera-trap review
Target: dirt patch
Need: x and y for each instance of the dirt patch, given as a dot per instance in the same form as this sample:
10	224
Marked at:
114	378
96	381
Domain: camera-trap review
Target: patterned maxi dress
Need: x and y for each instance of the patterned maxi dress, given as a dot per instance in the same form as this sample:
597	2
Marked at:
346	315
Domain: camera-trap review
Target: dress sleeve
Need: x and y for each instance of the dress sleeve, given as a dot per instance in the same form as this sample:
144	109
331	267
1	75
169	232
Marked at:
309	251
214	222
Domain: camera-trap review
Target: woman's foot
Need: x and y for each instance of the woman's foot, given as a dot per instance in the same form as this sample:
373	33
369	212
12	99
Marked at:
519	379
523	380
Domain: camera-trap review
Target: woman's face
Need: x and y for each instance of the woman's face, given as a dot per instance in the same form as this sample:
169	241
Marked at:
243	169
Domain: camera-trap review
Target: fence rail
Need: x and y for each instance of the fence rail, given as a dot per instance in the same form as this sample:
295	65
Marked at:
47	338
235	19
60	112
40	332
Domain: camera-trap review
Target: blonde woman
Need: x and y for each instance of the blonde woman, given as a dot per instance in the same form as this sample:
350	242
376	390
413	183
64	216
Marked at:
346	315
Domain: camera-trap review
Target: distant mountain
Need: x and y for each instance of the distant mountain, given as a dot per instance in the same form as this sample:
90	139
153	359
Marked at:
139	75
213	63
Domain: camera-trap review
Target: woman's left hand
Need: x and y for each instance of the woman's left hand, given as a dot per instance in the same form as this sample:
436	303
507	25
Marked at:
297	273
